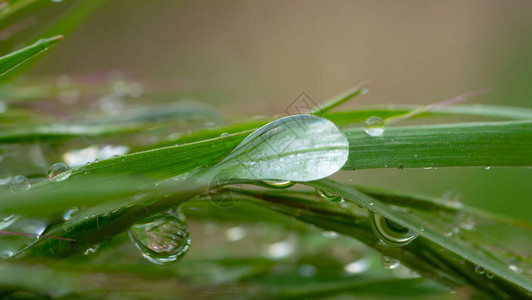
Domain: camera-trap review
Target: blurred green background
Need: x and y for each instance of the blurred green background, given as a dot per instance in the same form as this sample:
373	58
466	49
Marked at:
249	58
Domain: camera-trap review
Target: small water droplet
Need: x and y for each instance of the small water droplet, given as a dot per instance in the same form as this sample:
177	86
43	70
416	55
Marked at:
279	184
161	238
358	266
236	233
422	228
390	263
59	172
19	184
224	134
468	224
280	249
400	166
70	213
330	234
487	168
306	270
328	196
374	126
479	270
490	275
390	232
515	268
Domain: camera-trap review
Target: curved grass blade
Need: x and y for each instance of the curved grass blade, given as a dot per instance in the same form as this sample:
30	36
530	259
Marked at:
430	230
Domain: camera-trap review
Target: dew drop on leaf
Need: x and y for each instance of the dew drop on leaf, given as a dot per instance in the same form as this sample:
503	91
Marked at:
70	213
59	172
479	270
328	196
161	238
295	148
374	126
390	263
390	232
19	184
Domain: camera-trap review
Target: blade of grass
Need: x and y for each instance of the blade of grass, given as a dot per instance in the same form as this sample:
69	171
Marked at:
14	59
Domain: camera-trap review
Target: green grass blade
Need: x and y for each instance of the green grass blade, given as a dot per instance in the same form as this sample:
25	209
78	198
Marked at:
454	145
428	230
14	59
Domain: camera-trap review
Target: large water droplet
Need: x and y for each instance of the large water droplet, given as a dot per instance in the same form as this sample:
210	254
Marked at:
161	238
328	196
294	148
19	184
390	232
390	263
374	126
59	172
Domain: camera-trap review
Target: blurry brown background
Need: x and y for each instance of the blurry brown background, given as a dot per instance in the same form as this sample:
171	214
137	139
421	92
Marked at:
255	57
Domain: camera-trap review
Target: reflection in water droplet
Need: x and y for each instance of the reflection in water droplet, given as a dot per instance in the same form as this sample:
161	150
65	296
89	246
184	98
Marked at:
59	172
390	232
161	238
7	221
328	196
490	275
19	184
91	250
295	148
479	270
390	263
70	213
374	126
279	184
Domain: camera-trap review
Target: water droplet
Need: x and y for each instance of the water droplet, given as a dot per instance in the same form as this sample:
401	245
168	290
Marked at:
295	148
19	184
280	249
490	275
328	196
390	263
390	232
374	126
70	213
224	134
161	238
515	268
234	234
279	184
479	270
487	168
358	266
306	270
330	234
468	224
59	172
422	228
